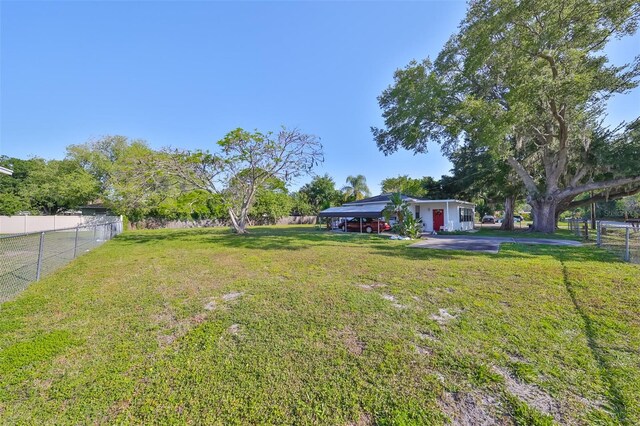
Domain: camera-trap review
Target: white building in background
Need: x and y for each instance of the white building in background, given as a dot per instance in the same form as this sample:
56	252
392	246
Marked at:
436	215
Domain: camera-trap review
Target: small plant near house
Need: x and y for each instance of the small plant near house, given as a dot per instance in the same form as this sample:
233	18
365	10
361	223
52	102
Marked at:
407	225
412	227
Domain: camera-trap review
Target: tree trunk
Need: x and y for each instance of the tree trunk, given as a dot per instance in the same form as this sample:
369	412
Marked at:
544	215
507	220
239	226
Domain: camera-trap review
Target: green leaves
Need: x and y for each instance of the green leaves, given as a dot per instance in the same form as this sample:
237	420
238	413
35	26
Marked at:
356	188
528	82
246	164
321	193
405	185
47	186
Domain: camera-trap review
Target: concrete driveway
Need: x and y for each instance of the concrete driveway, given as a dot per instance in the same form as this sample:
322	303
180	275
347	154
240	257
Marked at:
483	244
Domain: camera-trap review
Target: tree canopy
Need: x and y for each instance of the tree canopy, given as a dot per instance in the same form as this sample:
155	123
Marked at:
404	185
133	179
47	187
321	193
356	188
243	164
528	82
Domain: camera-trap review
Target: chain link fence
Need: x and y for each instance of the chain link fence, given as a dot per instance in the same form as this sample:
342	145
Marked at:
579	227
621	238
26	258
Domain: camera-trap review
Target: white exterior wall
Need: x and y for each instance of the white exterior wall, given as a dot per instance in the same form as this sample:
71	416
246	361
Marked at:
465	226
451	216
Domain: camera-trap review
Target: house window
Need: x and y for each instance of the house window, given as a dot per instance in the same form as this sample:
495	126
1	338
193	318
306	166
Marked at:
466	215
417	212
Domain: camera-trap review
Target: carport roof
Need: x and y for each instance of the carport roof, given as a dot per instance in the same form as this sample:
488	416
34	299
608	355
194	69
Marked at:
366	210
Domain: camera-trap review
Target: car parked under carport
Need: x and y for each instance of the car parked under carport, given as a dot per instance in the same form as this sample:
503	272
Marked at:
367	224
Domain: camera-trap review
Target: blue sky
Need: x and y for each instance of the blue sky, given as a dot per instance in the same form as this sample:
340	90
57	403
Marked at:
185	73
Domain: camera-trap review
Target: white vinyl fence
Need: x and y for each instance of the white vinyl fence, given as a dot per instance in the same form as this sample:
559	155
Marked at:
26	224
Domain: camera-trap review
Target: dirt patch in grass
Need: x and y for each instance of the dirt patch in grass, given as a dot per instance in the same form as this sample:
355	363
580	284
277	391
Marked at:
350	340
443	316
473	408
232	296
234	329
372	286
389	297
43	384
426	335
212	305
394	301
363	420
198	318
423	350
172	328
532	395
515	357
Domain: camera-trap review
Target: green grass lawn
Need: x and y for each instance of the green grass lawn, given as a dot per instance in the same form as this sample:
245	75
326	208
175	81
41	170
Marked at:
518	232
295	325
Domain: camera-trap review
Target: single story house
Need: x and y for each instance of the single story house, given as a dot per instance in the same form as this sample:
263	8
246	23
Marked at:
435	215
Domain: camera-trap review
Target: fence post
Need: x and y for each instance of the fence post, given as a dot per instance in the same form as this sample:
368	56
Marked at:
627	251
586	230
75	243
40	255
598	233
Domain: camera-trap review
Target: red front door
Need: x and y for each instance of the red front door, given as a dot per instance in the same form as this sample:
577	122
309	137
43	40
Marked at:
438	219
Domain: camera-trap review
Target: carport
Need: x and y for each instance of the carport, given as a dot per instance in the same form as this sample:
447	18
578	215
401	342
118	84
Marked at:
373	211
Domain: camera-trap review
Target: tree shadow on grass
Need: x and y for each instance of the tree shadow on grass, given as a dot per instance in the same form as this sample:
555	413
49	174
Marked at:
297	238
259	238
615	397
507	251
156	236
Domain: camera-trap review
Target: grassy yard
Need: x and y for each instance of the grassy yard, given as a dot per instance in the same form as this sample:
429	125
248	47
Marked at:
524	232
294	325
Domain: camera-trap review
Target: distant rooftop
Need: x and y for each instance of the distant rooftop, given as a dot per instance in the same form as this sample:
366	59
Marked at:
5	171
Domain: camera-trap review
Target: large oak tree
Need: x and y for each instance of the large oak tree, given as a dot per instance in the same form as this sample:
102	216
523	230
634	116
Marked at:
527	80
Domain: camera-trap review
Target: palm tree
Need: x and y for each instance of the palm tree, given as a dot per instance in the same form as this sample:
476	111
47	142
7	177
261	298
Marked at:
356	188
396	207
